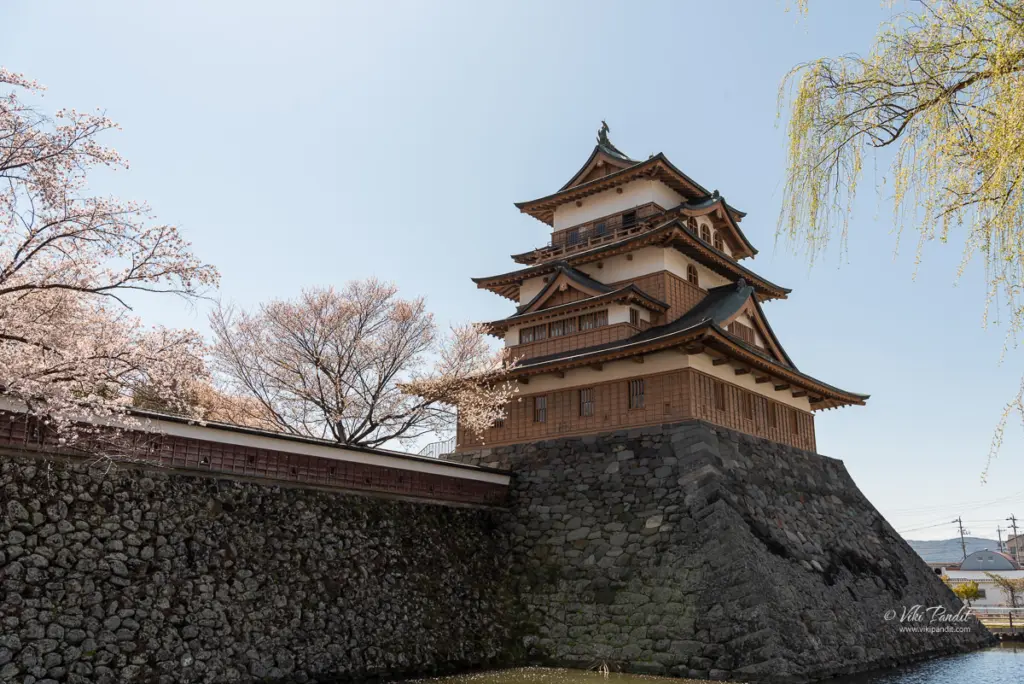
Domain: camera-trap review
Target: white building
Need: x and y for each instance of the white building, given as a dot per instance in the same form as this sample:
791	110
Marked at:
977	567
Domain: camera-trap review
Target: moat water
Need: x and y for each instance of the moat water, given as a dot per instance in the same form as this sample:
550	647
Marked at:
1001	664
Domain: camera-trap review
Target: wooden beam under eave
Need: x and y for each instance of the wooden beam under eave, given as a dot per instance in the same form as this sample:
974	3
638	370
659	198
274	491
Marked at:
597	366
799	393
524	381
559	374
742	371
761	378
691	349
639	358
720	361
784	386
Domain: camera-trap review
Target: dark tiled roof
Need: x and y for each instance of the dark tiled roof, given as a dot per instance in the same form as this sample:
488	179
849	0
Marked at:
719	304
709	314
578	277
582	303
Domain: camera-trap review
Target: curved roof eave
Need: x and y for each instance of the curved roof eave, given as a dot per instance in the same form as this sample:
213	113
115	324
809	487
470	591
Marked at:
699	330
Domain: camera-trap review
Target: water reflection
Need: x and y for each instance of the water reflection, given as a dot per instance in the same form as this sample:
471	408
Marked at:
1002	664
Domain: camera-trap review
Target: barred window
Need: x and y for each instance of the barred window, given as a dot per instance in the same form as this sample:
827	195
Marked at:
533	334
601	228
562	328
574	236
629	219
718	242
718	391
744	332
748	405
794	422
594	320
691	225
691	274
636	394
634	317
587	402
499	422
705	234
773	415
540	409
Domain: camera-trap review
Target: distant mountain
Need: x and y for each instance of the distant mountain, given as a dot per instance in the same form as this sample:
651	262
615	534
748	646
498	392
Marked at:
949	550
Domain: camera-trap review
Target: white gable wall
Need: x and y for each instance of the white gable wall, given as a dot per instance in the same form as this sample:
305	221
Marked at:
610	202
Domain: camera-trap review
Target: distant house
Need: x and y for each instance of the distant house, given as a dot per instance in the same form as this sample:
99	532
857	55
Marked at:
975	568
989	561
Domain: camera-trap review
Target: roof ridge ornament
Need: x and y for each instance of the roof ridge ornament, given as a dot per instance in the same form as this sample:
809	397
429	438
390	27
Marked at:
605	144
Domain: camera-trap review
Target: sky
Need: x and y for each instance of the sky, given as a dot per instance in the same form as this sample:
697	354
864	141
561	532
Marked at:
310	143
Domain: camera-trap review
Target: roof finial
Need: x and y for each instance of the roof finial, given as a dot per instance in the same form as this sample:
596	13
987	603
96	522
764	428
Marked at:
602	134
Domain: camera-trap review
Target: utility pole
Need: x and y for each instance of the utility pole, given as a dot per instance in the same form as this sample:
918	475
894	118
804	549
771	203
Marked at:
1016	542
999	531
963	544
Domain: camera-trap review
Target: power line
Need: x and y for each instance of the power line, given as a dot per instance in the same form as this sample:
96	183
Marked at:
962	505
963	544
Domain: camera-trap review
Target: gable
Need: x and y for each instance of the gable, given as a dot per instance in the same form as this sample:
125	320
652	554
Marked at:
750	325
599	165
567	285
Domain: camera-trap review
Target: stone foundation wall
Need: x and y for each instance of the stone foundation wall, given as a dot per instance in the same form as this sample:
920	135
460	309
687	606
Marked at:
130	576
692	550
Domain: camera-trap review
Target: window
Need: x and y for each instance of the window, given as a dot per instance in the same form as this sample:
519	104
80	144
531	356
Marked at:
636	394
601	228
748	406
773	415
634	317
594	320
629	219
540	409
744	332
718	242
691	274
691	225
533	334
562	328
981	593
587	402
718	391
794	422
574	237
499	422
705	233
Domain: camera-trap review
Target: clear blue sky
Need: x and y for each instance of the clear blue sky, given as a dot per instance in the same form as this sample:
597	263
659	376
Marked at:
308	143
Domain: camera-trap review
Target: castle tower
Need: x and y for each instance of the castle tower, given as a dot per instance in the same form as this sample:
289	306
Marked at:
639	312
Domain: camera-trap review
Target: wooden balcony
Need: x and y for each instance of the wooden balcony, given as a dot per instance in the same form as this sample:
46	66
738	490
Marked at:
600	231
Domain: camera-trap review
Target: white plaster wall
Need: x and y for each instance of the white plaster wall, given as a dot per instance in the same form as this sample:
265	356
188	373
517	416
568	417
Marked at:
529	289
618	268
618	313
609	202
676	263
661	362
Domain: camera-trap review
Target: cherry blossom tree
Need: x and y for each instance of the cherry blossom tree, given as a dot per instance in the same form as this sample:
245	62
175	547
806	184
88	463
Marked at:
69	345
358	365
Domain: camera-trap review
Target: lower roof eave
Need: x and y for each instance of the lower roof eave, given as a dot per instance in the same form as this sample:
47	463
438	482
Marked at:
696	339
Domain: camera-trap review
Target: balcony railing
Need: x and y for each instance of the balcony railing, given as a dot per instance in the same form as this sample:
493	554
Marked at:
603	230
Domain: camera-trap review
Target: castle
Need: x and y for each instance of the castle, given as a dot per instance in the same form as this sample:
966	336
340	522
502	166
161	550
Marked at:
639	312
